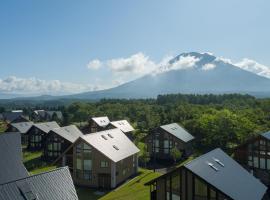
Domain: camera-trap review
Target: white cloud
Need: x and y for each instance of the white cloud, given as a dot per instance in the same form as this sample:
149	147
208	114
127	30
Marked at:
94	64
253	66
225	60
184	62
14	84
208	66
135	64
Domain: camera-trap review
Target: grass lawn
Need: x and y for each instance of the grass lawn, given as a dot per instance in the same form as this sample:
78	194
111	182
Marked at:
134	189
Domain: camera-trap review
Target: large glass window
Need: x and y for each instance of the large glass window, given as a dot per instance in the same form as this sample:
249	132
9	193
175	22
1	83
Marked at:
262	163
79	164
87	165
256	162
200	190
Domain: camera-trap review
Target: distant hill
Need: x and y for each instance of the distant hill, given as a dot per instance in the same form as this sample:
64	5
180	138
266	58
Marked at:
207	75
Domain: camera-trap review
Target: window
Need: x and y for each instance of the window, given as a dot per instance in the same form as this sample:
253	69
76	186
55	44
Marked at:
262	163
255	162
166	144
87	165
78	164
124	172
110	135
104	164
200	190
79	148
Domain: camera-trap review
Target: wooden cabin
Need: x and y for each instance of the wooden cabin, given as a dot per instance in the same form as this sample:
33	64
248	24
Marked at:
58	140
37	134
124	126
102	160
53	185
11	161
254	155
97	124
212	176
163	139
22	128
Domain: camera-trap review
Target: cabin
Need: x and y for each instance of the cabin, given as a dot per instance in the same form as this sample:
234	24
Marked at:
55	185
212	176
97	124
102	160
22	128
124	126
163	139
43	115
254	155
11	162
37	134
14	116
58	140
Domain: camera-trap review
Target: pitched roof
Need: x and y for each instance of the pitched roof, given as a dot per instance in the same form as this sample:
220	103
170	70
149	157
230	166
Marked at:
47	126
58	114
42	113
56	185
11	164
123	125
178	132
11	116
101	121
266	135
22	127
70	133
113	143
222	172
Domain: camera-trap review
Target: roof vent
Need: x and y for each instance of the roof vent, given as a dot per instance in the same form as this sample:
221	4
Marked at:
116	148
219	162
104	137
212	166
67	130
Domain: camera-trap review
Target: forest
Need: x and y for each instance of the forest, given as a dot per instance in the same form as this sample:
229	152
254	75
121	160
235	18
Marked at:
215	120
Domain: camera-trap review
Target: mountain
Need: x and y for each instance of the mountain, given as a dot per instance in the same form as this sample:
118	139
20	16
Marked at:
196	73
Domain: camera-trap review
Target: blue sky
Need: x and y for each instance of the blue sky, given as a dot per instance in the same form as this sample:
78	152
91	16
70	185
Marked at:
45	41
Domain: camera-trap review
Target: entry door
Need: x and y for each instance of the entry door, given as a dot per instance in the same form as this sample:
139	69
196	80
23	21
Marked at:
104	181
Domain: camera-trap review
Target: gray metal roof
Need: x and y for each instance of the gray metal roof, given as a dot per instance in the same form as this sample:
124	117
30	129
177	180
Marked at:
107	142
123	125
266	135
101	121
22	127
47	126
70	133
178	132
11	116
11	164
53	185
58	114
227	176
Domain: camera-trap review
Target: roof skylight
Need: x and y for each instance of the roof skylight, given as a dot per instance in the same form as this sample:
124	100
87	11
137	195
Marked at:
212	166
